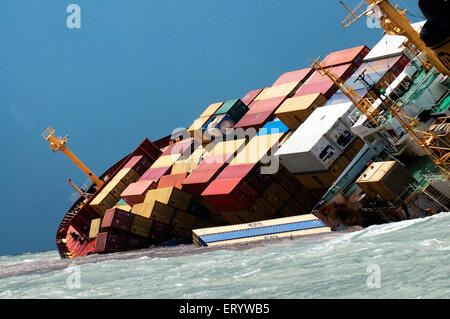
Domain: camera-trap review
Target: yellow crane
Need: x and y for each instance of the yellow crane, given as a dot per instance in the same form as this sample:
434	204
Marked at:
394	22
435	146
59	144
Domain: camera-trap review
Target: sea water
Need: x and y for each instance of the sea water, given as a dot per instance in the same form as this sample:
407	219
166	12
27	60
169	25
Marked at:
408	259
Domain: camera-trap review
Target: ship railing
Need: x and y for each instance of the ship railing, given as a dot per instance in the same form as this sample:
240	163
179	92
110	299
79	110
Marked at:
436	107
75	197
408	191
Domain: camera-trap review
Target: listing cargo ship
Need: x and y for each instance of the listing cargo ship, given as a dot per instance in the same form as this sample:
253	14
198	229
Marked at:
359	138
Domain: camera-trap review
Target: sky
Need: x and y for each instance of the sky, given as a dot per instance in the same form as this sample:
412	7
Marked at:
134	69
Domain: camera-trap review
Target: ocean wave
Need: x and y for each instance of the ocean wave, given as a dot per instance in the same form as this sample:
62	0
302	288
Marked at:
412	256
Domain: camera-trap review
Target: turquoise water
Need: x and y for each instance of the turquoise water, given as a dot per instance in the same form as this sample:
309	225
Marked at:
409	259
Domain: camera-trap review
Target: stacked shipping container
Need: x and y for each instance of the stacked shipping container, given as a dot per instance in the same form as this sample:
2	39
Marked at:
204	181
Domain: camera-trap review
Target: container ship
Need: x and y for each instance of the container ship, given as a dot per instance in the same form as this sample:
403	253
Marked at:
360	137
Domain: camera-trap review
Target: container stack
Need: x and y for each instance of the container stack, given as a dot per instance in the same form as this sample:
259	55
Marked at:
297	141
253	187
196	128
189	164
224	119
116	233
110	194
342	63
269	99
122	204
294	111
250	97
215	157
316	151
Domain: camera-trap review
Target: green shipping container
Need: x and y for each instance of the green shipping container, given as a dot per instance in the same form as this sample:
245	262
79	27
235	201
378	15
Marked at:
236	109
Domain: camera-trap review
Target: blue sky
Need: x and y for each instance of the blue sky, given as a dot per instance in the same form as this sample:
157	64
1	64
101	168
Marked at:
134	69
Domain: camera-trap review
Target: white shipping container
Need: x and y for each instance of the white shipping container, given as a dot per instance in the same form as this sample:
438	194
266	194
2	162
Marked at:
341	135
391	45
299	155
313	147
334	121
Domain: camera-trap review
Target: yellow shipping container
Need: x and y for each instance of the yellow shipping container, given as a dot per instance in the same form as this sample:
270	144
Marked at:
198	124
211	109
224	147
188	165
156	211
126	208
95	228
170	196
256	149
103	201
115	187
278	91
141	226
127	176
294	111
385	180
166	160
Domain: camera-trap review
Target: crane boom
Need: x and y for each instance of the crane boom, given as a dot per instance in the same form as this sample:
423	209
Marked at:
436	147
59	144
394	22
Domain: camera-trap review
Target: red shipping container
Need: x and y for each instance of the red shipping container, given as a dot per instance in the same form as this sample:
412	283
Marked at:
230	194
118	219
235	171
149	149
139	164
294	76
399	65
110	242
250	173
352	55
260	113
256	120
179	147
322	84
199	179
172	180
155	173
250	96
265	105
135	192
